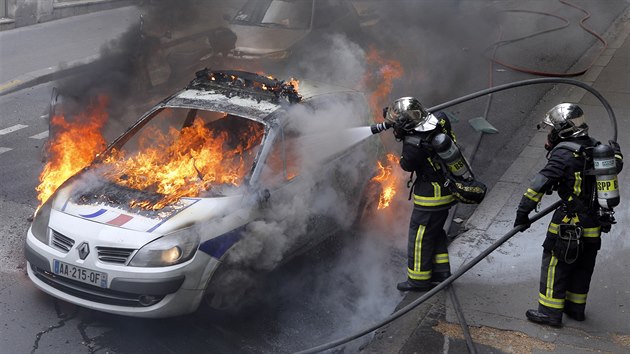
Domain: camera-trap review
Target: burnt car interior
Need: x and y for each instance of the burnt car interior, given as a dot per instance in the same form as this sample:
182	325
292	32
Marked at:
245	84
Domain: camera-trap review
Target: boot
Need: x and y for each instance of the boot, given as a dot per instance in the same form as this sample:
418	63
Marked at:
415	286
438	277
574	314
544	319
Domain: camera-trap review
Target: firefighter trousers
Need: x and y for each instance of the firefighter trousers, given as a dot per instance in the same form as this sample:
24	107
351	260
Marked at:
426	248
564	286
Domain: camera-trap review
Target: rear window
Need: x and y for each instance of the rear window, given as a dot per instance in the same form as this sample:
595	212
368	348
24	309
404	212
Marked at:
291	14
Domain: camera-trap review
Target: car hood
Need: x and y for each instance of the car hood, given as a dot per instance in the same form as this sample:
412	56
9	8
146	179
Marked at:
256	40
183	213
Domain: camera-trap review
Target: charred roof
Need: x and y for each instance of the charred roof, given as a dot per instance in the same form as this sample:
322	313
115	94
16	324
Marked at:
245	84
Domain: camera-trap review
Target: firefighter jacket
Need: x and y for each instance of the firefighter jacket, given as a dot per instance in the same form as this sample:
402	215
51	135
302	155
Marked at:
565	173
429	192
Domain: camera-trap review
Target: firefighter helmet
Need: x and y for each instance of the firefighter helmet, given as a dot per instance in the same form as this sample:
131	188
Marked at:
567	119
407	114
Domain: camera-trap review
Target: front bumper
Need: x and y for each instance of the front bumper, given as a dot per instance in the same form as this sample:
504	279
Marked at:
131	291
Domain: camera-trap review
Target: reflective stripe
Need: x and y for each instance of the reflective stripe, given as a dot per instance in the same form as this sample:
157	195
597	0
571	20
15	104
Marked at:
417	273
576	298
533	195
440	258
551	273
432	201
550	302
422	275
577	186
586	232
417	251
591	232
437	190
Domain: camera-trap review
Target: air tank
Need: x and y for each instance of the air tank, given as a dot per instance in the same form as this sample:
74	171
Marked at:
448	151
605	169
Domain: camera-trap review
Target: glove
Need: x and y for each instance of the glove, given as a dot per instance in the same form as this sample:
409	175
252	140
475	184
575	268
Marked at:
615	146
522	219
606	221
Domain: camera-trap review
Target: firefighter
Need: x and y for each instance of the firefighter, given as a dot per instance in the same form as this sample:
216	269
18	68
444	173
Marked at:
573	235
427	254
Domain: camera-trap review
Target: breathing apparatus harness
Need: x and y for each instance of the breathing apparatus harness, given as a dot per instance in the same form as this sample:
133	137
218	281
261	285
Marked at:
446	158
605	189
599	161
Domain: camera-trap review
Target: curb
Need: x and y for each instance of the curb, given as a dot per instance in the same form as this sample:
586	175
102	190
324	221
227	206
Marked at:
45	75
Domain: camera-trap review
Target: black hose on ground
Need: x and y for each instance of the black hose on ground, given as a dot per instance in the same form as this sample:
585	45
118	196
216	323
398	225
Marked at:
496	244
462	320
437	289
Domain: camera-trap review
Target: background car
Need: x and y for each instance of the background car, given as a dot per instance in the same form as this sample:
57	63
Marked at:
270	32
214	186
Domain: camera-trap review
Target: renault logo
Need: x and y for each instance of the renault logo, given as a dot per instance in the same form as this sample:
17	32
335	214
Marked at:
84	250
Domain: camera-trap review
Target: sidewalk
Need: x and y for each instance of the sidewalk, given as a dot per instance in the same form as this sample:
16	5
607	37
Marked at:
495	293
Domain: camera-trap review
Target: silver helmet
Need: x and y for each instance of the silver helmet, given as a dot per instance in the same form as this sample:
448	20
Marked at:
407	114
567	119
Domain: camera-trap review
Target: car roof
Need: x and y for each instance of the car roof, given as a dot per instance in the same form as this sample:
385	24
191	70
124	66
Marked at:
248	94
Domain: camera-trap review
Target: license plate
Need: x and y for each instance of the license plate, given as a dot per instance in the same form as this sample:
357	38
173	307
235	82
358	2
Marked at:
83	275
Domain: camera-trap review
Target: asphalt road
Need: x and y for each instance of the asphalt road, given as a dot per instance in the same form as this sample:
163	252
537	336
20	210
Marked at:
338	288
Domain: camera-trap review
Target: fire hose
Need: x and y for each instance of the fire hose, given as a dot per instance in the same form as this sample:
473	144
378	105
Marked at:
437	288
497	243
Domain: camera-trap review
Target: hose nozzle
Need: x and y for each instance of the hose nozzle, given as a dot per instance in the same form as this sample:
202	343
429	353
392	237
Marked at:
380	127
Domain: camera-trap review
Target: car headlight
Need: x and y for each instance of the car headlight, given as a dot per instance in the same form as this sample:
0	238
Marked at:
170	249
39	227
277	55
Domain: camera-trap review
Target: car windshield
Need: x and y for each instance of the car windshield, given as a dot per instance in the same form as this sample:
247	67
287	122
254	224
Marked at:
291	14
183	152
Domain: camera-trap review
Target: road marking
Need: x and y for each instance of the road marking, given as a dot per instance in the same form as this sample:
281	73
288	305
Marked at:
12	129
3	150
41	135
10	84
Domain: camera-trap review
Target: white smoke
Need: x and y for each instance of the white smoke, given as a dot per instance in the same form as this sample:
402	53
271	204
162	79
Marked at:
264	243
335	59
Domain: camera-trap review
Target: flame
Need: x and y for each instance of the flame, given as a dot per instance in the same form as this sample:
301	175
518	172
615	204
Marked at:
387	180
72	147
295	83
173	164
380	82
181	163
381	78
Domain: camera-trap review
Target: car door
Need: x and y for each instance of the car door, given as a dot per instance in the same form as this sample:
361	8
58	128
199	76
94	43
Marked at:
296	190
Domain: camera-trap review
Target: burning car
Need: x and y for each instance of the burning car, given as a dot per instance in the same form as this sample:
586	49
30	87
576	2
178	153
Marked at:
224	180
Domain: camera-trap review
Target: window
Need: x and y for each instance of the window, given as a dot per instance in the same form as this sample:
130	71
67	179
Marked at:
284	161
